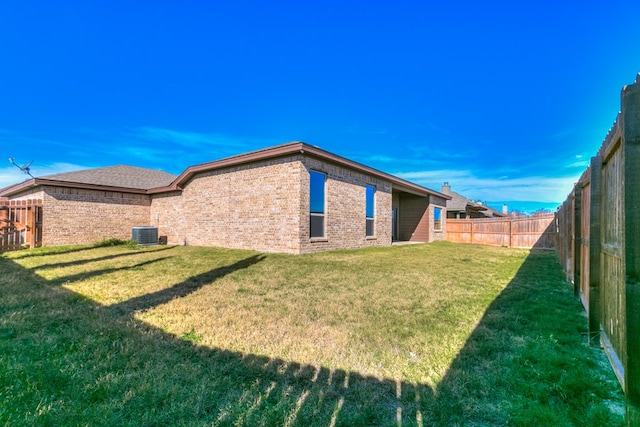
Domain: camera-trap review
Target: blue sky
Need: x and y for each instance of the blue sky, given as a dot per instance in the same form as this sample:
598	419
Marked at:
507	101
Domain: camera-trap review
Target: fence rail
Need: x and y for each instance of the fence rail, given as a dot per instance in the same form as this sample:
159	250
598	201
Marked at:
599	246
20	224
515	232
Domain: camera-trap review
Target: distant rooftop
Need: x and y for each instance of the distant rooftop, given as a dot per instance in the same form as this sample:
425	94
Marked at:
459	203
117	176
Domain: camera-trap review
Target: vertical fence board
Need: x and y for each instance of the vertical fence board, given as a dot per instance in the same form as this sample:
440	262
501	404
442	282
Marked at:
577	238
612	258
585	239
595	306
630	114
565	213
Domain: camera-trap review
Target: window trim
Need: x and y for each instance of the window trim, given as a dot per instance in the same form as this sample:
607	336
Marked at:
370	220
318	214
437	219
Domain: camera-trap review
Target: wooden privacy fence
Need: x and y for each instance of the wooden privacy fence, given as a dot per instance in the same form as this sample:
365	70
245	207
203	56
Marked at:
20	224
599	246
515	232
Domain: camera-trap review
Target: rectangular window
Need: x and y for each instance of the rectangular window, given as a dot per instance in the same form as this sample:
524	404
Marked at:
437	218
317	203
370	211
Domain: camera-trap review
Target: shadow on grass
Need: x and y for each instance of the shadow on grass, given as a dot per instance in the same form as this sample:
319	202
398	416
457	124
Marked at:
90	260
528	361
48	251
87	275
145	302
101	366
63	250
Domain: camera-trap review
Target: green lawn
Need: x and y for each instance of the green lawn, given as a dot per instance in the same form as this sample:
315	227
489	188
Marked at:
431	334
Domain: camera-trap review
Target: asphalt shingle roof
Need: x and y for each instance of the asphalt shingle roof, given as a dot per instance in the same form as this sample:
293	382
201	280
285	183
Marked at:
117	176
458	202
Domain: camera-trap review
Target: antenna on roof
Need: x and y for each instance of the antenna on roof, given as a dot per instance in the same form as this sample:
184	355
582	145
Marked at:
24	168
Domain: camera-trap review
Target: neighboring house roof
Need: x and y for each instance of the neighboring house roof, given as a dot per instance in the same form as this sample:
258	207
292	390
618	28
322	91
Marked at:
148	181
459	203
117	176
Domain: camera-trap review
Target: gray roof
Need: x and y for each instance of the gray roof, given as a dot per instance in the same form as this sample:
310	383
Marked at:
117	176
458	202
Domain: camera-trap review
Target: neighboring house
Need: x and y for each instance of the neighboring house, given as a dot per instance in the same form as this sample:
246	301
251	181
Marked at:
459	207
293	198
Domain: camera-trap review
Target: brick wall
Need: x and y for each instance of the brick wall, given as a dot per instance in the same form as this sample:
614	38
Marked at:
166	213
436	201
254	206
264	206
76	216
345	219
34	194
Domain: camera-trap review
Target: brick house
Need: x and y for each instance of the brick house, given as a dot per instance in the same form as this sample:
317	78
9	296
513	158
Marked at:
293	198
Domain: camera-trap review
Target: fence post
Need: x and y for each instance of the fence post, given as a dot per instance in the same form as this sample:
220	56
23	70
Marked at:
577	238
595	246
631	139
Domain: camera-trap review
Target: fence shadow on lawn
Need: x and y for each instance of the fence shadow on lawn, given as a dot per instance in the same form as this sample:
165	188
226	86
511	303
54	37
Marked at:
91	260
143	375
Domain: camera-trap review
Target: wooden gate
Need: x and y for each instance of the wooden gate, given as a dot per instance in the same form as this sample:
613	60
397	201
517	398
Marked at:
20	224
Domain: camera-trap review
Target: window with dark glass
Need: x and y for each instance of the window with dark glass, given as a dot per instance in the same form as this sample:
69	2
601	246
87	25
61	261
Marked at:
437	218
370	211
317	203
